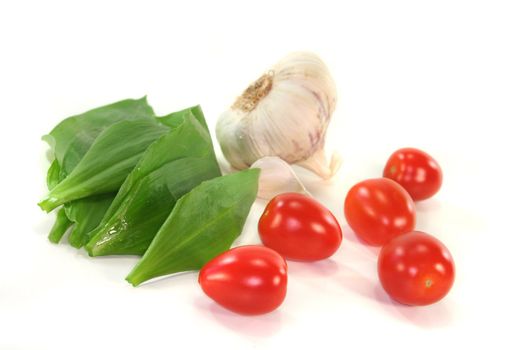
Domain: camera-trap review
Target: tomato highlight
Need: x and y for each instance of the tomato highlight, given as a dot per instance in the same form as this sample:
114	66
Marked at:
416	171
248	280
416	269
299	228
378	210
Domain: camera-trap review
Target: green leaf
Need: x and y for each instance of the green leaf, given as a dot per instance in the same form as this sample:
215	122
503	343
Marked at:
169	168
72	137
104	167
174	119
62	223
203	224
86	213
53	174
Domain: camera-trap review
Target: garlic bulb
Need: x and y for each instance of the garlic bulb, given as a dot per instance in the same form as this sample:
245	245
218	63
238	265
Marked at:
285	113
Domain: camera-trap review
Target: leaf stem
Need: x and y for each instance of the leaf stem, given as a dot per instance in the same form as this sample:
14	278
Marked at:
60	227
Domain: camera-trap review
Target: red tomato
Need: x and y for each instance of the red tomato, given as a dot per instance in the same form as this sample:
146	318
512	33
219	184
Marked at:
416	269
249	280
379	210
416	171
300	228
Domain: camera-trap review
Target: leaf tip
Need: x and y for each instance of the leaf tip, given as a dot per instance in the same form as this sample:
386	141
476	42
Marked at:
134	279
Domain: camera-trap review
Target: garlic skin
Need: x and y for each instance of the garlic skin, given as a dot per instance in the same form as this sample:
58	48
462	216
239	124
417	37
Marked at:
277	177
285	113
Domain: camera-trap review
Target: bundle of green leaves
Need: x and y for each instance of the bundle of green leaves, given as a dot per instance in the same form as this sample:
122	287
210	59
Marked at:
127	182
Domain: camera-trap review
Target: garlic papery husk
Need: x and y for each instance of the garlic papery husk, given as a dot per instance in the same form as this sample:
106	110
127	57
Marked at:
277	177
285	113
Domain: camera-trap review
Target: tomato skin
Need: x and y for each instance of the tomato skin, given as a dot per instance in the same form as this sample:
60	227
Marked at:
378	210
299	228
416	269
248	280
416	171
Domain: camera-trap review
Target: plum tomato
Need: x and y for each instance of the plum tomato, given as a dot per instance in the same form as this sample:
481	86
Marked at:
248	280
299	228
416	269
378	210
416	171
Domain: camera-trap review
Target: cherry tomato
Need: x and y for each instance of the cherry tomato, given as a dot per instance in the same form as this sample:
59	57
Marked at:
416	171
379	210
299	228
249	280
416	269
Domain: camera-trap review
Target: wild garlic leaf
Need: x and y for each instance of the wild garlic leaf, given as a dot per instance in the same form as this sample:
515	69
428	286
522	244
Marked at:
174	119
203	224
86	213
62	223
108	161
72	137
53	175
169	168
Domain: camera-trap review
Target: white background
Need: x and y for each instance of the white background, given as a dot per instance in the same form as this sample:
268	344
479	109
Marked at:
444	76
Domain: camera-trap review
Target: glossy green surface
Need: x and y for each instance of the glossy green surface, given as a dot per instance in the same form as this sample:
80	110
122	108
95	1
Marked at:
102	146
170	167
108	161
87	214
167	178
203	224
72	137
69	141
62	223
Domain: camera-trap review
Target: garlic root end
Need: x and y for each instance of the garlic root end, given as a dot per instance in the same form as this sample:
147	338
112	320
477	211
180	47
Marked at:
319	165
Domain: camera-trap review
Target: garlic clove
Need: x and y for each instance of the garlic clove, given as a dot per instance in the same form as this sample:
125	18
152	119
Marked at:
319	165
277	176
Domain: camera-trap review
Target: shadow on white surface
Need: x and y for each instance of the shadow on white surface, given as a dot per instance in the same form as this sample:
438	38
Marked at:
43	226
428	206
349	235
168	282
255	326
321	268
358	283
432	316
